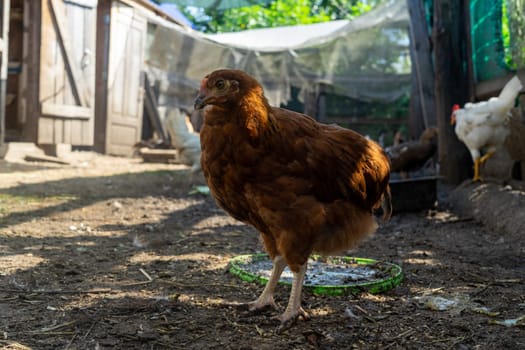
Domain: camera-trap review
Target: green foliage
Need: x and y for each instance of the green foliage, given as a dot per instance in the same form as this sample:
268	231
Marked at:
277	13
513	33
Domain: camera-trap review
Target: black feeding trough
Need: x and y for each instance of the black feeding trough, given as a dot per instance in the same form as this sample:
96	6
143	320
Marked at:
414	194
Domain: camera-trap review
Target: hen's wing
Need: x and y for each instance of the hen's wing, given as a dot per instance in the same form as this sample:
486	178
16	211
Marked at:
338	163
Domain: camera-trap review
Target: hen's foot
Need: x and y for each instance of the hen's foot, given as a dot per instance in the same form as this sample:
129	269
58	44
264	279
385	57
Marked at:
256	306
289	318
477	179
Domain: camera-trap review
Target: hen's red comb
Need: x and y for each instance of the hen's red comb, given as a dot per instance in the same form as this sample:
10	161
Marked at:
455	107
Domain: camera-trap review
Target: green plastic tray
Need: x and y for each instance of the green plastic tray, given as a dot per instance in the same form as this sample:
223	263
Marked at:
393	273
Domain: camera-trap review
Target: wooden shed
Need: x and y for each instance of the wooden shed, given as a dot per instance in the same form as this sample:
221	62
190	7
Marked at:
75	72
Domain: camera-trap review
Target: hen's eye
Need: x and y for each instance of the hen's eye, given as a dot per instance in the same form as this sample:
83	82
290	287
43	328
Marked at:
220	84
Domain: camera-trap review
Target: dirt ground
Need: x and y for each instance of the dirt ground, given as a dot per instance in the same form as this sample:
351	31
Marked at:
112	253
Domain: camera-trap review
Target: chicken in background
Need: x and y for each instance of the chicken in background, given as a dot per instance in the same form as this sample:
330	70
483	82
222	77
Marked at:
398	138
183	139
484	125
305	186
413	155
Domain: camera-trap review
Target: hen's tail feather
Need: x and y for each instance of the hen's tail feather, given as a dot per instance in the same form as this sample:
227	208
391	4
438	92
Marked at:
386	204
510	91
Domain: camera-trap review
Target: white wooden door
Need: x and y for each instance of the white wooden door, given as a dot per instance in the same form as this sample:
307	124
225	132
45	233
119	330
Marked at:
67	72
125	79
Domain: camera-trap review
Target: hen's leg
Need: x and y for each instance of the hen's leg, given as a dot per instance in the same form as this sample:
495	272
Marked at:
266	297
476	170
294	309
486	156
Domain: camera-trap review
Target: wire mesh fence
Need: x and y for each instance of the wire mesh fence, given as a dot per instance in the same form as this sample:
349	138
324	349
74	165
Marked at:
498	40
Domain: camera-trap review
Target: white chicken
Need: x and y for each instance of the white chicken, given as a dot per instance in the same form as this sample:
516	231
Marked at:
483	126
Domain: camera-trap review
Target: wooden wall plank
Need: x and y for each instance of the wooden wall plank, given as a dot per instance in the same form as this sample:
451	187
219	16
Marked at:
46	130
118	93
67	130
62	88
48	54
89	132
58	131
76	80
88	55
75	131
84	3
133	70
66	111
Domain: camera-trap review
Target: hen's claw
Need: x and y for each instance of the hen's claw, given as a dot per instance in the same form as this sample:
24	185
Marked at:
289	320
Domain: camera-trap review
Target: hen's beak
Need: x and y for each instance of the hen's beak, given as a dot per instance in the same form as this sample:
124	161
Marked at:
200	102
453	119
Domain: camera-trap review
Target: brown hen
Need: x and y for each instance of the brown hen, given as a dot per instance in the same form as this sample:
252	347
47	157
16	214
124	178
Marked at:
305	186
413	155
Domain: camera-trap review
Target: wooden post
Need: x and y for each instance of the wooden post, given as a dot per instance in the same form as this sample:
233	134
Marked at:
310	103
101	76
422	112
321	108
416	123
31	69
4	54
451	85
